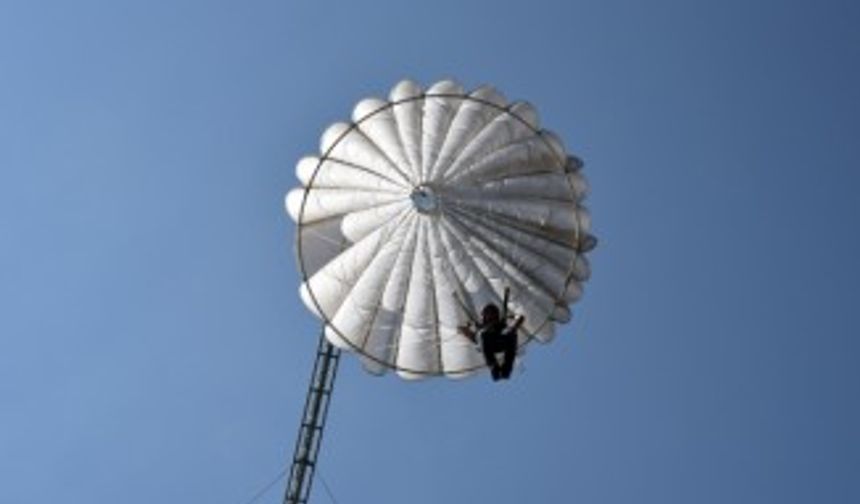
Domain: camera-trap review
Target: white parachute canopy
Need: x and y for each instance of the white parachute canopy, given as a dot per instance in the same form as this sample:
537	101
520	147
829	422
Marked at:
425	208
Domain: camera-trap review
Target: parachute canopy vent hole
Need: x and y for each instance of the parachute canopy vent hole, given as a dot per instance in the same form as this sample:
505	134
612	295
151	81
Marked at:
425	200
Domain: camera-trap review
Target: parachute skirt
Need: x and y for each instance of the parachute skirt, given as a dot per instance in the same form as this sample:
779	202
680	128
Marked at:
425	208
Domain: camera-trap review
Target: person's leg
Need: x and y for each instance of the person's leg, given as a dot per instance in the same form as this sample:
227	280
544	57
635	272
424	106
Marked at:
510	349
490	357
496	373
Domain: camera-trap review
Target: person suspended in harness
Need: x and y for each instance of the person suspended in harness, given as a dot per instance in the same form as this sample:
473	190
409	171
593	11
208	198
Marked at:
494	336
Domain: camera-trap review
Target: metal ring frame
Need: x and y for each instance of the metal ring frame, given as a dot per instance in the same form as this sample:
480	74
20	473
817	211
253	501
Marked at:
325	156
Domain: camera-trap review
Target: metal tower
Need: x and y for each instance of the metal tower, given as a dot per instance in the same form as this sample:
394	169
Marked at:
313	422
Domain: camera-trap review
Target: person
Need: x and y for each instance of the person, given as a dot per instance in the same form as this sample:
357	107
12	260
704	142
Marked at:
494	335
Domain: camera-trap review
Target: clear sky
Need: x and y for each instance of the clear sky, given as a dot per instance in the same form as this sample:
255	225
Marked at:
152	344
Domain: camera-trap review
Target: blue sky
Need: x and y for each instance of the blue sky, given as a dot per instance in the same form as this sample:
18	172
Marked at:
152	344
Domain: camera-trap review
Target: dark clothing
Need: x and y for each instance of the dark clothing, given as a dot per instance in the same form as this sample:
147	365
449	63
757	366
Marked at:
498	338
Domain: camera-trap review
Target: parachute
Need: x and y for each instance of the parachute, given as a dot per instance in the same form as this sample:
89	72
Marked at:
425	208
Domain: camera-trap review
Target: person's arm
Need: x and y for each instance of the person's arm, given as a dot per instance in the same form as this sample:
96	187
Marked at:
518	322
468	332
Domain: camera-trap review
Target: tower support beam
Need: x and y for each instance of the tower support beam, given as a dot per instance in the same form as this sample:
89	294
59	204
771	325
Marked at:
313	421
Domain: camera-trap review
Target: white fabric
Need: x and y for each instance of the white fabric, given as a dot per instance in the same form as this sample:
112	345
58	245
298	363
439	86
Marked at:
394	274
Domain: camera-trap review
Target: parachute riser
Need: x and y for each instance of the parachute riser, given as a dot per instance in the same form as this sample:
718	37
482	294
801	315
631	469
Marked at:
505	303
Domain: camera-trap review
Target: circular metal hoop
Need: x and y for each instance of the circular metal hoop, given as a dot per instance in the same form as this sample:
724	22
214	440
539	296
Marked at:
425	201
